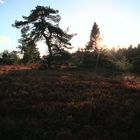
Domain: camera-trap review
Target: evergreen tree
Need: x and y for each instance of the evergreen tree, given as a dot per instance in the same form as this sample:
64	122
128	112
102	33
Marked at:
6	57
124	65
94	38
93	44
28	48
43	23
14	58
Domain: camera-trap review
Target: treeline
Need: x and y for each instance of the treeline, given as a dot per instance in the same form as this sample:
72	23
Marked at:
113	60
15	57
7	57
31	55
109	60
128	58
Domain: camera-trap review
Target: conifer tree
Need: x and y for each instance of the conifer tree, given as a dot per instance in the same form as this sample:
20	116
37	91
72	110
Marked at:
94	38
43	23
28	48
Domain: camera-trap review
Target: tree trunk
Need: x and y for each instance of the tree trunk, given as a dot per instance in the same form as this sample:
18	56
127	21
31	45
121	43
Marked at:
97	61
49	60
50	56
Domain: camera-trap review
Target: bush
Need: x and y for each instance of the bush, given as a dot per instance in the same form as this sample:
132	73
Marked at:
91	60
124	65
88	60
9	58
83	59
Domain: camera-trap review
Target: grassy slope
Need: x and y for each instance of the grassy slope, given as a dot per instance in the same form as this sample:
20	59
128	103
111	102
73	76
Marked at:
66	105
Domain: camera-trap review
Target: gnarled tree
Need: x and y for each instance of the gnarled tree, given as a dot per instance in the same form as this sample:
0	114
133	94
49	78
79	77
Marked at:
43	23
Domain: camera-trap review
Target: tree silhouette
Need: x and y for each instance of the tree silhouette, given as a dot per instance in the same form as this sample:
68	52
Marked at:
94	38
43	23
93	44
14	57
28	47
9	57
6	57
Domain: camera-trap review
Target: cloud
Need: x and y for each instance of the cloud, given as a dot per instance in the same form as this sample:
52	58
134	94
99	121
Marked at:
2	1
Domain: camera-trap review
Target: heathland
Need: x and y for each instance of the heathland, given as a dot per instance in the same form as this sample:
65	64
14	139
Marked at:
66	104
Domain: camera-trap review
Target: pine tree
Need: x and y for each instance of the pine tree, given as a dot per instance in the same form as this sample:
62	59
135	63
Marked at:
43	23
94	38
28	47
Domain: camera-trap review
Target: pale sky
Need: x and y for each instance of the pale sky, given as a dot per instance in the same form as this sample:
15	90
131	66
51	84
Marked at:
118	20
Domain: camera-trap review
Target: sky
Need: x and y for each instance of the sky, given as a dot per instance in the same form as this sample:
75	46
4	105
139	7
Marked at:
118	20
